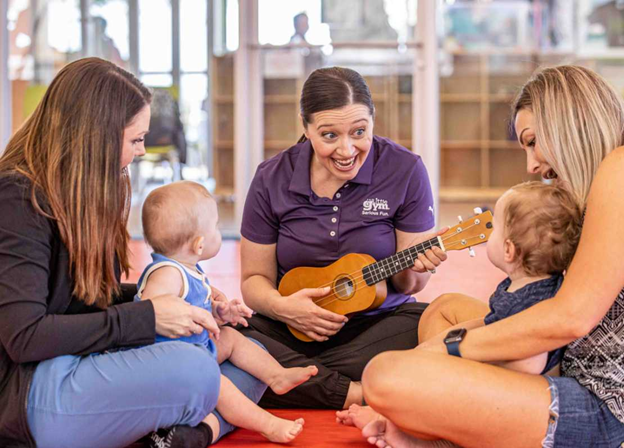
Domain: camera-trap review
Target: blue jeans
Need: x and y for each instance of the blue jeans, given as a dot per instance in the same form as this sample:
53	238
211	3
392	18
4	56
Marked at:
578	418
113	399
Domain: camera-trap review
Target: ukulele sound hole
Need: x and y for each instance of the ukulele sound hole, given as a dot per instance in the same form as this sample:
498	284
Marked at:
344	288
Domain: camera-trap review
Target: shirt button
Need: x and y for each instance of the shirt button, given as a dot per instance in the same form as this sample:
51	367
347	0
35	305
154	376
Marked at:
338	195
335	208
332	233
334	220
346	185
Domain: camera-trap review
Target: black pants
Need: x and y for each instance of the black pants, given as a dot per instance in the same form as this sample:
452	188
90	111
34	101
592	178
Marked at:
340	360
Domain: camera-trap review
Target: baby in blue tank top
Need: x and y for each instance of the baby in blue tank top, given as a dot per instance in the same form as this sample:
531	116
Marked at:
180	224
536	230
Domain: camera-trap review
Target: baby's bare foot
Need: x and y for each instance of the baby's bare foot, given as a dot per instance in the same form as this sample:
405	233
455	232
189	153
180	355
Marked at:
356	415
283	431
288	379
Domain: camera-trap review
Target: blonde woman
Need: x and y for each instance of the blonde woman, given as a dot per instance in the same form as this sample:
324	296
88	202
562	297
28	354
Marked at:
567	120
68	373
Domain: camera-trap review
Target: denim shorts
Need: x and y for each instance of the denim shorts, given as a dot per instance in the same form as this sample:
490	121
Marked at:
579	419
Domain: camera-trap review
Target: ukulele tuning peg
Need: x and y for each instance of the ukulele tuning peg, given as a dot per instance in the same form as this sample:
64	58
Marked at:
459	218
471	252
478	211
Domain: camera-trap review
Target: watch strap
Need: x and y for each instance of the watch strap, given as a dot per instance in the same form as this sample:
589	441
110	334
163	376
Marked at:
453	348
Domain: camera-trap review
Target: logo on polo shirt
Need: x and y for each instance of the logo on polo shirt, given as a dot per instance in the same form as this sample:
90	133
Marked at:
375	207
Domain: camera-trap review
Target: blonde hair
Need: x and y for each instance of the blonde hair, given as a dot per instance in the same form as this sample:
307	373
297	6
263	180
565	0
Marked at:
579	119
544	224
171	215
70	149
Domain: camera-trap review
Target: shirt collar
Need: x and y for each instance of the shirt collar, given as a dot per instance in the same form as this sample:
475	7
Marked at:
300	182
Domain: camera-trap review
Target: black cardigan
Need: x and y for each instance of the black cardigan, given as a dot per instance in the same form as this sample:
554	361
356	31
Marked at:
39	317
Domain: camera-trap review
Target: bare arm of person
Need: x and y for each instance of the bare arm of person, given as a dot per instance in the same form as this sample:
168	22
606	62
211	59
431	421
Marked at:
594	279
164	280
534	364
411	281
258	285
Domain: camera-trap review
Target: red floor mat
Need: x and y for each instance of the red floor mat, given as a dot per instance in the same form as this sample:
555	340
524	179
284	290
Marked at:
320	431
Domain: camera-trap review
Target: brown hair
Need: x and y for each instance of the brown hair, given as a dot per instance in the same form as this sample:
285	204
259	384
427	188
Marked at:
579	119
168	220
544	224
333	88
70	149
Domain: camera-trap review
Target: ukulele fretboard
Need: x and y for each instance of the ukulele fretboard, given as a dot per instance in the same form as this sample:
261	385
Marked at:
386	268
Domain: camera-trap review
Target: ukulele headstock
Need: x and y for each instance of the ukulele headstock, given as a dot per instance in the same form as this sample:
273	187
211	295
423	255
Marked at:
472	232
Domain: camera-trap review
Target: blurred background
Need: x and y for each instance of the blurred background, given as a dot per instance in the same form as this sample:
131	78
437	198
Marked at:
227	76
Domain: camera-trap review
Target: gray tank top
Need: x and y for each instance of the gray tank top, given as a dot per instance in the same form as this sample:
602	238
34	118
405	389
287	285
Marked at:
597	360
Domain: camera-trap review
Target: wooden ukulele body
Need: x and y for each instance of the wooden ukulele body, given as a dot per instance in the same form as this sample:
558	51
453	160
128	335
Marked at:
349	292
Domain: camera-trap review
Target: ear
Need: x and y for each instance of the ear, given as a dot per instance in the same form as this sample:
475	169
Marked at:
198	245
509	255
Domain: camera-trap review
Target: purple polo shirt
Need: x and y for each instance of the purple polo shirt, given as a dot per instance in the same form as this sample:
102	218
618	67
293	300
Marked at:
391	191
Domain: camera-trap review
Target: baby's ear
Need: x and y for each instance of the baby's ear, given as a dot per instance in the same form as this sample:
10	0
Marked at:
510	253
198	245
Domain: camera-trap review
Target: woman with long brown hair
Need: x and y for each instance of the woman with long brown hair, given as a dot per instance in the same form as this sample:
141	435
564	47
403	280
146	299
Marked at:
69	375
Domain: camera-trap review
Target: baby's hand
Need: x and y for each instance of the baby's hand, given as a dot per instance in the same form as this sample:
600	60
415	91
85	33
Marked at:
233	311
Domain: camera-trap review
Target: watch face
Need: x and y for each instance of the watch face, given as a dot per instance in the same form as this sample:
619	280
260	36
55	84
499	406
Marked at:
455	335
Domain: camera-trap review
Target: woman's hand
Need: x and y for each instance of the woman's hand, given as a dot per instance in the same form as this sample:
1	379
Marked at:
176	318
301	313
432	258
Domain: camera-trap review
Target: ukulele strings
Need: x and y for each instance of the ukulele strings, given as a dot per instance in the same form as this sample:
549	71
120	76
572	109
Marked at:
335	296
358	282
357	277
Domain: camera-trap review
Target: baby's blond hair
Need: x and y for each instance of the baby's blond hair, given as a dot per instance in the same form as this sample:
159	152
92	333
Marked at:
544	224
171	215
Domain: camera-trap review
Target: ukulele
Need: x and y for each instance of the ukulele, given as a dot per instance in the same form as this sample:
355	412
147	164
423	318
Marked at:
357	280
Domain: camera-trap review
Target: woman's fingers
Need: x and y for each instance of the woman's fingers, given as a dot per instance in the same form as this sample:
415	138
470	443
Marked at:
427	261
328	327
202	317
317	337
332	318
430	260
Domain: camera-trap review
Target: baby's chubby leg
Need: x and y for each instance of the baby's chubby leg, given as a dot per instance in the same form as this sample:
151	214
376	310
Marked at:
249	357
447	311
240	411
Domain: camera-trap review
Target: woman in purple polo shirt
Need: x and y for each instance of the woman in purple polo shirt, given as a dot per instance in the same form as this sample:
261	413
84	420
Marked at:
340	190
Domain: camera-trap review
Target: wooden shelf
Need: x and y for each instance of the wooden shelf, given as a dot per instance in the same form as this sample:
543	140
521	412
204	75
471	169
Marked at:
470	194
278	145
501	98
462	144
478	161
462	97
280	99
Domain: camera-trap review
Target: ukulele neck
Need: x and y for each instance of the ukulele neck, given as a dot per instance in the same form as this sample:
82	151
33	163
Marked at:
386	268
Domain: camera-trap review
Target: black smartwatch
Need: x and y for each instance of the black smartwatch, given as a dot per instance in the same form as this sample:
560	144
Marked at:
452	340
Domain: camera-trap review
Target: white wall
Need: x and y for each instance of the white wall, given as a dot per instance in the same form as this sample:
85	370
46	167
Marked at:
426	106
